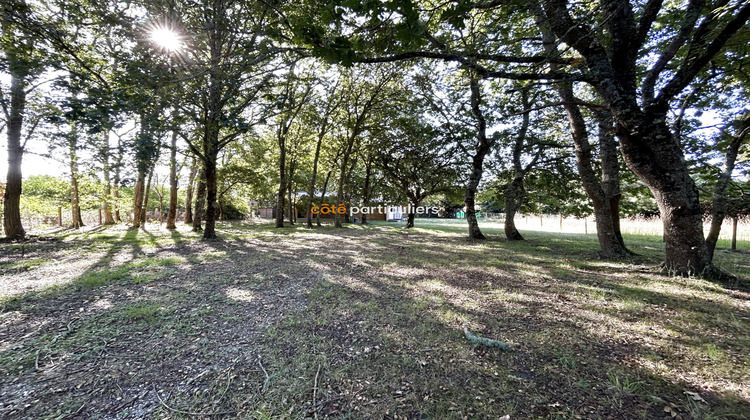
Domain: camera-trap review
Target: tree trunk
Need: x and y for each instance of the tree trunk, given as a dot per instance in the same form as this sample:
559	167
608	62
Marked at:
323	195
146	195
211	194
116	195
138	199
289	191
515	191
189	193
718	210
410	220
652	154
605	195
483	148
311	191
172	214
348	190
366	189
609	156
200	201
340	191
12	198
108	219
607	192
282	182
513	200
74	196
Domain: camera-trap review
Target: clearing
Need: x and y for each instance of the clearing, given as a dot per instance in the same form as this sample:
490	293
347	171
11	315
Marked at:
363	322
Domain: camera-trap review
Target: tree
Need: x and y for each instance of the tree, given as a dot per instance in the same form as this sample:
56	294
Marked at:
364	93
327	104
648	145
465	120
416	160
610	42
22	61
229	61
292	100
718	205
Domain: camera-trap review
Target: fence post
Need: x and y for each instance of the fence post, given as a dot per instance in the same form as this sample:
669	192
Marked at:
59	216
734	233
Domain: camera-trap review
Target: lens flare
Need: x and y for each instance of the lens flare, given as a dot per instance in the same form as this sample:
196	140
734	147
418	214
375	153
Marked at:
166	38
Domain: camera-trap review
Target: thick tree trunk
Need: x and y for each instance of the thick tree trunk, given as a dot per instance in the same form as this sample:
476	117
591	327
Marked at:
12	198
189	193
291	205
211	152
652	154
648	146
172	214
74	195
200	201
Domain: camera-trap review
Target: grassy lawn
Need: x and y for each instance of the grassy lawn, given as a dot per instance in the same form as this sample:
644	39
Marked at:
366	322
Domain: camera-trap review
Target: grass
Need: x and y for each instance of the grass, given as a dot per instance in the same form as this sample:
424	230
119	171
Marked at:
365	322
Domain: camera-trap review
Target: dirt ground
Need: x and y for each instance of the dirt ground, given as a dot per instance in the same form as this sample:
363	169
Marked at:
364	322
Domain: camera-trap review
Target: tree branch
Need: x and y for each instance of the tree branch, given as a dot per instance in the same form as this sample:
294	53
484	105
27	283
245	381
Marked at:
693	64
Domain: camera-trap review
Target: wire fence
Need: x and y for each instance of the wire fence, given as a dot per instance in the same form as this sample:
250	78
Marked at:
634	225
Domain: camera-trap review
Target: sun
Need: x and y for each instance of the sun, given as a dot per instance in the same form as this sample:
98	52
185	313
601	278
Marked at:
166	38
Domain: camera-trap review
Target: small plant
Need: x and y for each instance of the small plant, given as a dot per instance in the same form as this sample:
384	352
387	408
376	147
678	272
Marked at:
94	279
624	386
142	312
566	361
713	352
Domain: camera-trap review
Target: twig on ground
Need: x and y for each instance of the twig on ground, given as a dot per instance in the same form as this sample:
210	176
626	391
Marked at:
76	413
188	413
315	392
131	401
268	378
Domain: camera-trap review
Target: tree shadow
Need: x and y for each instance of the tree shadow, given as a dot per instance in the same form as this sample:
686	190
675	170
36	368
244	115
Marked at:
373	317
